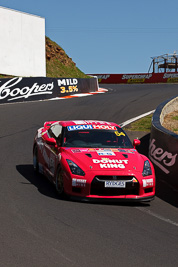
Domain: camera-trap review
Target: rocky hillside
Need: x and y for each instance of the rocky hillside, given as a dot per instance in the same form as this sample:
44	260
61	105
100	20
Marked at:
58	63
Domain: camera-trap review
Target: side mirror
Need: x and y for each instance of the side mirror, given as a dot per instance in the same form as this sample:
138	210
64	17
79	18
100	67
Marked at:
136	142
49	141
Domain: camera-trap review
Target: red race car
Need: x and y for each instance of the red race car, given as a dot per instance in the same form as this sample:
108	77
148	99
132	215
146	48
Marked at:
93	160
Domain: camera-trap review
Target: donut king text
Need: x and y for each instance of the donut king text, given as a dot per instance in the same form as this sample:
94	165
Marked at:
111	163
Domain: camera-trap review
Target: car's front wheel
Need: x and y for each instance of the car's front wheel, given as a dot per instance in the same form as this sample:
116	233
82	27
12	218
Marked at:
59	181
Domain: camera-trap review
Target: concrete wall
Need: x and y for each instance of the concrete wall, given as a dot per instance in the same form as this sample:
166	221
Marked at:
20	89
22	44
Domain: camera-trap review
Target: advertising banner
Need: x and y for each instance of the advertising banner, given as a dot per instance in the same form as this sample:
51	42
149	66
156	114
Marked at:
20	89
163	149
137	78
163	152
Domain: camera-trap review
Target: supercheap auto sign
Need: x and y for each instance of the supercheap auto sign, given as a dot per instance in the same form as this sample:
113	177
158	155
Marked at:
137	78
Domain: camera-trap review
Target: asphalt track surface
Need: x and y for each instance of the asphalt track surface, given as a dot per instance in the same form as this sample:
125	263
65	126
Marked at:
39	229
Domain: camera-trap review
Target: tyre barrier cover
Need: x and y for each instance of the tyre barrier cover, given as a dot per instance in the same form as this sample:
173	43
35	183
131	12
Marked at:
20	89
163	148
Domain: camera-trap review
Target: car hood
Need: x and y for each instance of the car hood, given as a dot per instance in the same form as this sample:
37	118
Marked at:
92	159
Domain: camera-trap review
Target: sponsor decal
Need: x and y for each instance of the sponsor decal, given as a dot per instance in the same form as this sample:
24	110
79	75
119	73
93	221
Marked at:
105	163
67	85
131	151
135	77
64	82
91	122
119	134
90	127
117	184
171	77
147	182
49	160
162	159
136	81
102	149
79	127
114	149
78	182
11	90
104	127
44	153
103	77
172	80
76	150
39	133
69	89
106	153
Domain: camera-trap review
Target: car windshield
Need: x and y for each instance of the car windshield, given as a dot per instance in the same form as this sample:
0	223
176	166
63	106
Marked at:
96	138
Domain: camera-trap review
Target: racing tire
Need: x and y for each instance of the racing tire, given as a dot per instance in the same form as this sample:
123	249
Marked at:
59	182
35	160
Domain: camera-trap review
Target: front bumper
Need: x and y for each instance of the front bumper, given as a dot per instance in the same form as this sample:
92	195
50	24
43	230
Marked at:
92	187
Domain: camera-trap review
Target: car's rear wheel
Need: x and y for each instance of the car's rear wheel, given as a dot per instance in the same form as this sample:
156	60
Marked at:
59	181
35	160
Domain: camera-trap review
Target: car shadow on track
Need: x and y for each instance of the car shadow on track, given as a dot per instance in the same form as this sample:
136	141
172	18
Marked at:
163	190
38	180
46	188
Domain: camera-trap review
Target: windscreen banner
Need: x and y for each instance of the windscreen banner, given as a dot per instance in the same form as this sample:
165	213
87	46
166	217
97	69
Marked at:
171	77
20	89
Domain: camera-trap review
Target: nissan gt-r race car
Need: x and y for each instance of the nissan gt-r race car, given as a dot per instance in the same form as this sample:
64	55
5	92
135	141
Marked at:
93	160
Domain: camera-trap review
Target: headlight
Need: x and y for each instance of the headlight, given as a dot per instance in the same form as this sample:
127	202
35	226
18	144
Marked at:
75	169
147	169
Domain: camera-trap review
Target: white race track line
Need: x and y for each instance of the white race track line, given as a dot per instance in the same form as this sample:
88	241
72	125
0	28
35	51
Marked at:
160	217
136	118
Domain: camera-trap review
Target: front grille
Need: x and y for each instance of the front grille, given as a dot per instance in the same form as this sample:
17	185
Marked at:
98	186
111	178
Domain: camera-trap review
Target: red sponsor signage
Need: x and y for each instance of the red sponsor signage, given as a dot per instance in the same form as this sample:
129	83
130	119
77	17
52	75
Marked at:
171	77
104	127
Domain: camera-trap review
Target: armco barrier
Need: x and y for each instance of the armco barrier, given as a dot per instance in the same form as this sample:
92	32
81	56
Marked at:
163	149
20	89
170	77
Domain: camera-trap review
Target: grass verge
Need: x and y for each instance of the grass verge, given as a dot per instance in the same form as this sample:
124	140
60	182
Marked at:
143	124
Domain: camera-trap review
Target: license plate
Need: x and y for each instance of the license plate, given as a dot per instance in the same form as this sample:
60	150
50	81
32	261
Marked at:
117	184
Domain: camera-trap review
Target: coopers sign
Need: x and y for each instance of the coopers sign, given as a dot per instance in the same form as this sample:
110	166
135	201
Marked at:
20	89
11	90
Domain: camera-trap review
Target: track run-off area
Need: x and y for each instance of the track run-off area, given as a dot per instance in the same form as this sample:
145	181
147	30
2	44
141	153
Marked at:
40	229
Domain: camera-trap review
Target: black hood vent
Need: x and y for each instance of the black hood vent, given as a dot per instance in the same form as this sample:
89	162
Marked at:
88	155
